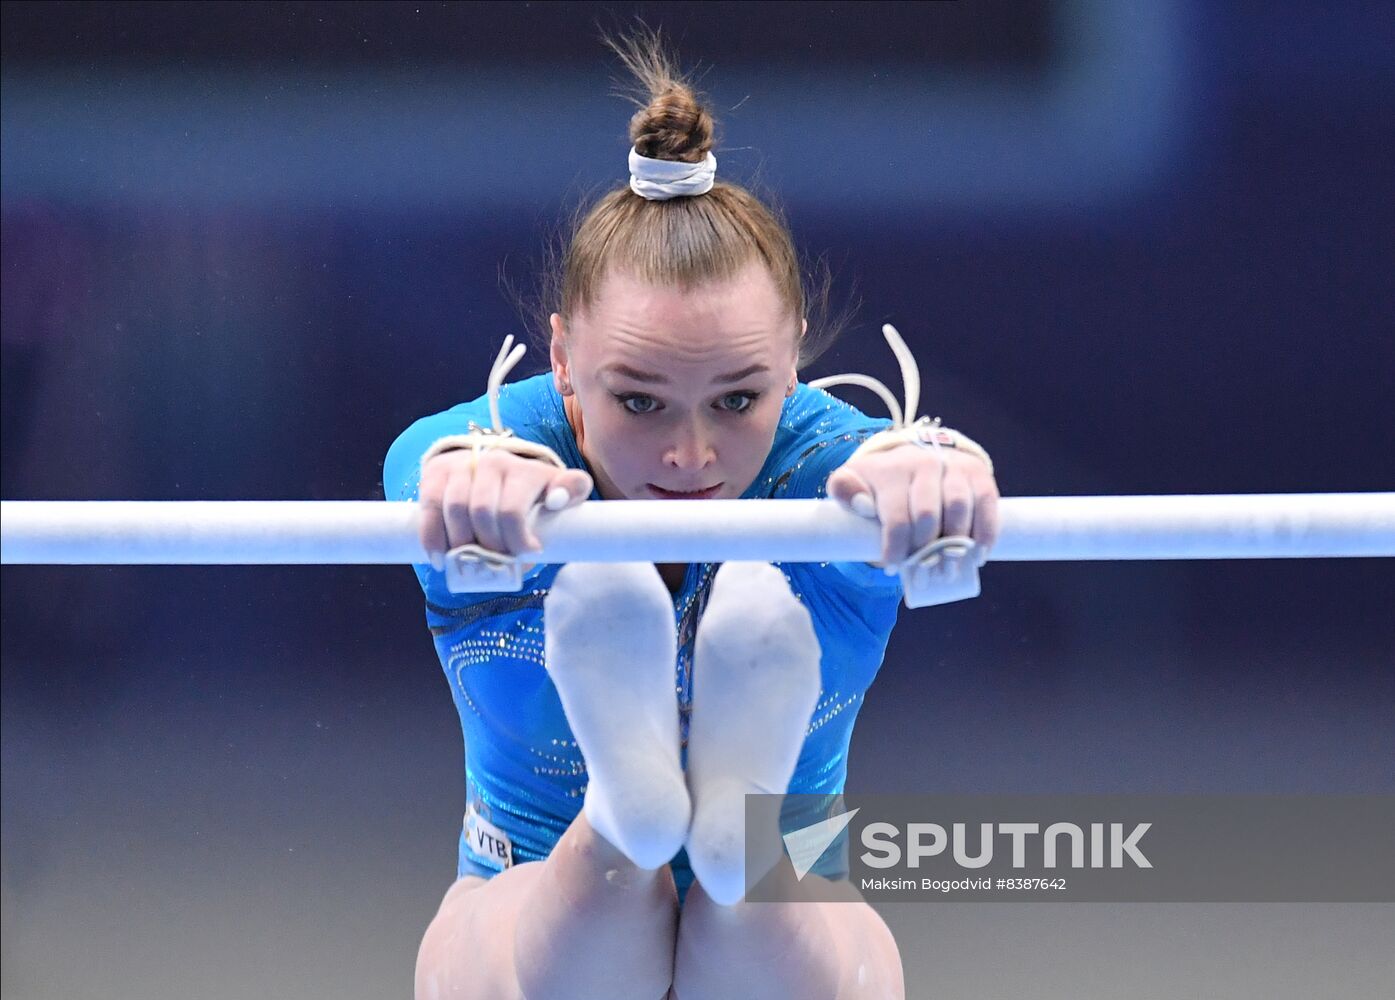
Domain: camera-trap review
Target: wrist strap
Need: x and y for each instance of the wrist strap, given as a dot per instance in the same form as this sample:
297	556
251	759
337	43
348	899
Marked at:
473	568
927	576
925	433
905	429
481	439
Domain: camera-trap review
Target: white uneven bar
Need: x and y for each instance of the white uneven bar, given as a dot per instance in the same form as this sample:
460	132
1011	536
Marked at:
1259	526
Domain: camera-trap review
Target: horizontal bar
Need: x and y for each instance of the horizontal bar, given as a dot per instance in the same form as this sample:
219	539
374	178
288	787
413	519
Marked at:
248	532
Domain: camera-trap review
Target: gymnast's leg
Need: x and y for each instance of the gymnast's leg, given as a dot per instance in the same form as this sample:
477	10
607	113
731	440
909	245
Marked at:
583	923
806	950
589	921
755	684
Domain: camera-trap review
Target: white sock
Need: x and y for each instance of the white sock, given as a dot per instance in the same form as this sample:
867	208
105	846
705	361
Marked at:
611	649
755	684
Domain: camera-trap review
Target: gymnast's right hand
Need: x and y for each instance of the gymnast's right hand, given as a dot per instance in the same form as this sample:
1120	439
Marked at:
491	501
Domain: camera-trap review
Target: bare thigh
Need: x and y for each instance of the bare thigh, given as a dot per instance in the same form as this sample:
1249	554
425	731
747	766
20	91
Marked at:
468	949
809	950
583	924
870	958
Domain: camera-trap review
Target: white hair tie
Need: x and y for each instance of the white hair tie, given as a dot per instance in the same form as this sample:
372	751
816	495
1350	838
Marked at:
660	180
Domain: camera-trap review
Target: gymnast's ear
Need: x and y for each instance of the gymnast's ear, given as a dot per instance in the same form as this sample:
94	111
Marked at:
561	367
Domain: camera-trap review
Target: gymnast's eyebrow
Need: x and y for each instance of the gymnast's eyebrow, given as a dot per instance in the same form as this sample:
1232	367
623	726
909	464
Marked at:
652	378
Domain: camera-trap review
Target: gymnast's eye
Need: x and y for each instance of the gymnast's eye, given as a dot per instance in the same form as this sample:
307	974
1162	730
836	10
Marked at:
737	402
637	402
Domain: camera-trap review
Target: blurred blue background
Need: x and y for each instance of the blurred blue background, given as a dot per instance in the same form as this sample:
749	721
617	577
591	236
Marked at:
1138	248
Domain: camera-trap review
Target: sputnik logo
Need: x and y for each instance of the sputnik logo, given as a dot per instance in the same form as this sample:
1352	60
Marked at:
807	844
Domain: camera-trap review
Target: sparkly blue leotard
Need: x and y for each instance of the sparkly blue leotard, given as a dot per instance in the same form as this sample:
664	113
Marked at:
524	775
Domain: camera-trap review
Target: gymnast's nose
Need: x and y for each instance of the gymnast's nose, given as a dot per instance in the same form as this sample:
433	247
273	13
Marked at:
691	451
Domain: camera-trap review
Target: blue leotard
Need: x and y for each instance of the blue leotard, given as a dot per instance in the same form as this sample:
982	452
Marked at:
524	775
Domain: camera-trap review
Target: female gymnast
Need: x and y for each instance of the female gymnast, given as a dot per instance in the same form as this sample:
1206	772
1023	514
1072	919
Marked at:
615	714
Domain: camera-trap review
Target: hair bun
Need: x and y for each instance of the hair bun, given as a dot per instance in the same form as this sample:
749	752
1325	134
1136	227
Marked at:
674	126
671	123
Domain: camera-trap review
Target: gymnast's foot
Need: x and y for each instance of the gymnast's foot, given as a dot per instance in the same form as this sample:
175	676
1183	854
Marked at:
610	650
755	684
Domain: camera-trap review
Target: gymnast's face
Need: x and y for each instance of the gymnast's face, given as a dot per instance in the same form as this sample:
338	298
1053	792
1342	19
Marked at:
674	394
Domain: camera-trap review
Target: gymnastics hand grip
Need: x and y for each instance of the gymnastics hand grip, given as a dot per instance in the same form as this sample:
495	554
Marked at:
942	572
473	569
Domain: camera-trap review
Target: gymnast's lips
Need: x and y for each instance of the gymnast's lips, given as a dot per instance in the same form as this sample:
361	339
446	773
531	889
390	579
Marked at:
659	493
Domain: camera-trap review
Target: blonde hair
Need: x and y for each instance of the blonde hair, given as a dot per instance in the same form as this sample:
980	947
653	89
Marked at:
685	241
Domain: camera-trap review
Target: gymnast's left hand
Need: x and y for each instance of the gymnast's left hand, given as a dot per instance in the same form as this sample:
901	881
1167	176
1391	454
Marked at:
919	495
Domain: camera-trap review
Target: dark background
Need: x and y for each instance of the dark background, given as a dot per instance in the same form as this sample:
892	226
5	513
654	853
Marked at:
1137	247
